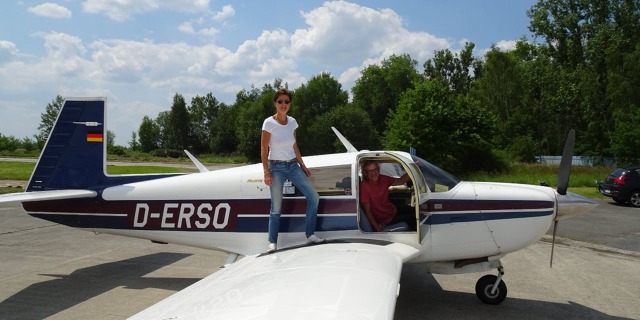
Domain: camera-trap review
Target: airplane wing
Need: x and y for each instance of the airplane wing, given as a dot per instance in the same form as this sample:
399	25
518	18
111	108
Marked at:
12	198
327	281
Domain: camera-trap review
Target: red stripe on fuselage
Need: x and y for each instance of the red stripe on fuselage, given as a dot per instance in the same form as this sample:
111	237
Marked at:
221	215
245	206
479	205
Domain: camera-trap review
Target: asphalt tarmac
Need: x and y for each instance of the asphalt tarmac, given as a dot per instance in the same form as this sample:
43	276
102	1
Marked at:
56	272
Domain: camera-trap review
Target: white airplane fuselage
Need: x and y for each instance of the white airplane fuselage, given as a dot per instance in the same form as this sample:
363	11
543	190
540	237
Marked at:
452	225
229	210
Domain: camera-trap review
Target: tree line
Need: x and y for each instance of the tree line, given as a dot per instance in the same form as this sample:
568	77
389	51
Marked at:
464	113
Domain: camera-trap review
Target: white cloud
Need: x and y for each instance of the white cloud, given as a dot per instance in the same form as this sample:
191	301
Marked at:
226	12
207	34
50	10
506	45
154	64
341	33
503	45
123	9
62	45
187	27
254	53
8	51
339	37
62	64
64	53
349	76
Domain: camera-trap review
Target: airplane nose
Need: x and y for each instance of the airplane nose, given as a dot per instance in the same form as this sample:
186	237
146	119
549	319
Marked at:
572	204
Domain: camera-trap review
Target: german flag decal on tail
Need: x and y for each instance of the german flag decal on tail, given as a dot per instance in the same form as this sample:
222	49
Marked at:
94	137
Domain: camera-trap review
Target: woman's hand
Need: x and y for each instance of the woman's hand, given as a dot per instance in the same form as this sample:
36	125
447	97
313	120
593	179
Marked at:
268	180
306	170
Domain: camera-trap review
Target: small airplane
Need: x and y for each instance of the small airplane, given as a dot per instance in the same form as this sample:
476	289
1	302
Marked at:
460	226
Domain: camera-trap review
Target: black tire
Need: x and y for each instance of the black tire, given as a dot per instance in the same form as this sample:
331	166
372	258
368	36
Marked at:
484	286
634	198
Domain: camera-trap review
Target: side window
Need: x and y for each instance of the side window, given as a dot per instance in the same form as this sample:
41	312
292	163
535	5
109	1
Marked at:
332	180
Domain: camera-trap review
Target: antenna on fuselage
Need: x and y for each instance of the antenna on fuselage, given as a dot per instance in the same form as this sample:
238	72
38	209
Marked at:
345	142
195	161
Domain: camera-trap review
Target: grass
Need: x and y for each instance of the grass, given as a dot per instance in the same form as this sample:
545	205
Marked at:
136	156
16	170
536	173
582	180
22	170
589	192
146	169
20	153
4	190
204	158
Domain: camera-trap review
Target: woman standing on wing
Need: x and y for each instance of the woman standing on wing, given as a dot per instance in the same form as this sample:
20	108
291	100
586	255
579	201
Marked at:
281	159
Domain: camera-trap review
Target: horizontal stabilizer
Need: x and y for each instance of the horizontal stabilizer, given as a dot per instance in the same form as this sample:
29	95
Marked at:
45	195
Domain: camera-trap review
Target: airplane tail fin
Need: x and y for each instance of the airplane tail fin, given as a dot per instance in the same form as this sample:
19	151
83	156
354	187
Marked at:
74	156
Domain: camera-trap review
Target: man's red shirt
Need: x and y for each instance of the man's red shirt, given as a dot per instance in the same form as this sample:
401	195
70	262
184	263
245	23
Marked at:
376	194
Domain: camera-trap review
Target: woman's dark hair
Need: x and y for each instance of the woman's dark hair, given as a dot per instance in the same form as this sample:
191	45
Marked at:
280	92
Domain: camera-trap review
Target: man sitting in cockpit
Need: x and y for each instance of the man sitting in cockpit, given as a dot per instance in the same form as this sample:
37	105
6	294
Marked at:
374	197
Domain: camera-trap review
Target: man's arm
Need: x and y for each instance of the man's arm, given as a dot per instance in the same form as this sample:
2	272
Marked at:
402	180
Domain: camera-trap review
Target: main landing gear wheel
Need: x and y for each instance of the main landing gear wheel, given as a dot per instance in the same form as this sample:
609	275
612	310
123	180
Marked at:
491	289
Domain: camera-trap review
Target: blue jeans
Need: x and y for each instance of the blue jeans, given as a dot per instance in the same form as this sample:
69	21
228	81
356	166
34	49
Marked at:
291	170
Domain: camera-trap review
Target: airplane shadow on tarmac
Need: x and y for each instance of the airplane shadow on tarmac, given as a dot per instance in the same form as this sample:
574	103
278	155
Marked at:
421	297
47	298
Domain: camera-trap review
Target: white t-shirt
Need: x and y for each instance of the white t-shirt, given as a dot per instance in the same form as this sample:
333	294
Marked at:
282	138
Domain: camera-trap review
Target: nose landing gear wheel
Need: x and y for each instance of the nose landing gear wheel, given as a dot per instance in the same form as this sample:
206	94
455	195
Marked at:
485	289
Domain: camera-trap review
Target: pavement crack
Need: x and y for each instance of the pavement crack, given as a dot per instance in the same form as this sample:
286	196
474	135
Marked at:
28	229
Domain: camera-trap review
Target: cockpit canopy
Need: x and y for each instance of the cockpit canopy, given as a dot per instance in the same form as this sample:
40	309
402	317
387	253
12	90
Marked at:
437	179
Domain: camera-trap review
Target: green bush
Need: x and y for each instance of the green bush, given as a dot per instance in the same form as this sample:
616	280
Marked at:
117	150
524	149
168	153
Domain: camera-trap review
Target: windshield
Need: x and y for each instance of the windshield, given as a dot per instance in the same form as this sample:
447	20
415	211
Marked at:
438	180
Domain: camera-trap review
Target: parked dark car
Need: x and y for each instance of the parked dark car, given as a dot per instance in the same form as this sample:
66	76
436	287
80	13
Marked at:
622	185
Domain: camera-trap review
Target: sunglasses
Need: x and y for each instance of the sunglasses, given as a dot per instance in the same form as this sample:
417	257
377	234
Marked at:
283	101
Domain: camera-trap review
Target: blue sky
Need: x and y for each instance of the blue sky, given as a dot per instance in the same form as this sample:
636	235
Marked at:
138	54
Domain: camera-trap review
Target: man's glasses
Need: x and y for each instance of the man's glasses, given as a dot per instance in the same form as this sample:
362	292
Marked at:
372	170
283	101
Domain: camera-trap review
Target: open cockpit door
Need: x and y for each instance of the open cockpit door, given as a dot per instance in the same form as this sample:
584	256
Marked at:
419	183
407	198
